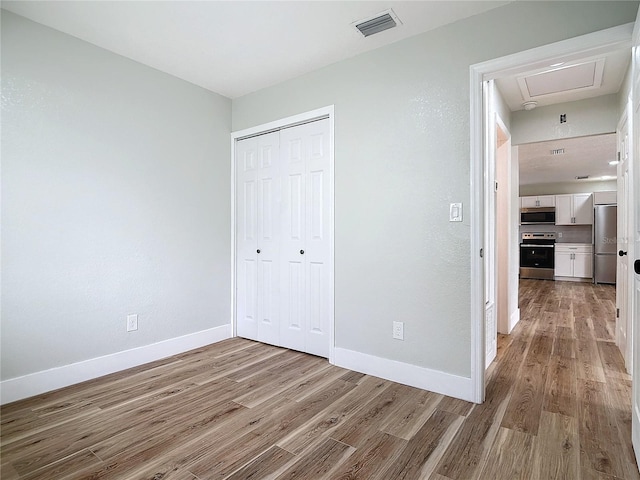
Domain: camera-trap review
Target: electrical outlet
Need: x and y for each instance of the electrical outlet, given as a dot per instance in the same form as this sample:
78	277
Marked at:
132	322
398	330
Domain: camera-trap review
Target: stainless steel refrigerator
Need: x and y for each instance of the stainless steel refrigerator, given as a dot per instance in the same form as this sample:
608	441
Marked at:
605	243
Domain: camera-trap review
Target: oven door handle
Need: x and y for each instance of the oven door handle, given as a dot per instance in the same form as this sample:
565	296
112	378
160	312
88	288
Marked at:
536	246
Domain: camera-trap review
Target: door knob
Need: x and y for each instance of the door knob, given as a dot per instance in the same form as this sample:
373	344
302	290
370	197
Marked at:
258	251
636	266
622	253
301	252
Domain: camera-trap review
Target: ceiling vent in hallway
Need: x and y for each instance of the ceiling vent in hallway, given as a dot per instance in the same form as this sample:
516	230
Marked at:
379	23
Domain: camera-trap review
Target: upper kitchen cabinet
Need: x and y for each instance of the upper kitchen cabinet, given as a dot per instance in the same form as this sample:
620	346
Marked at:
576	209
538	201
605	198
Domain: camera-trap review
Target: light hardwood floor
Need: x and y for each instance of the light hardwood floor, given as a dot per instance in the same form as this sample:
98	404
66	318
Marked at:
558	407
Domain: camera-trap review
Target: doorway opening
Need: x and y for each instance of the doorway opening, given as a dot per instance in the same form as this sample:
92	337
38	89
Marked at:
538	59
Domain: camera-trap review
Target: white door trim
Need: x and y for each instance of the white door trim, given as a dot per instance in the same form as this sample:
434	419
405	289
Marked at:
325	112
621	296
512	240
590	44
633	219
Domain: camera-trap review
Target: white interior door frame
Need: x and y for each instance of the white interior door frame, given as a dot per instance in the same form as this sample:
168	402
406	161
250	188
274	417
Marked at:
489	249
507	276
590	44
633	252
306	117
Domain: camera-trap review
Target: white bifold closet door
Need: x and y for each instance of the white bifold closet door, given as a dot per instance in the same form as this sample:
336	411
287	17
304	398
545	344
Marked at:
284	234
258	238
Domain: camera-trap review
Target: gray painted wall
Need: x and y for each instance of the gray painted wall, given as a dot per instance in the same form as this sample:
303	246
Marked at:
593	116
115	189
402	155
115	200
567	187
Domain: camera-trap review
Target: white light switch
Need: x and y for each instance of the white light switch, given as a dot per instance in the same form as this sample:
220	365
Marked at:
455	212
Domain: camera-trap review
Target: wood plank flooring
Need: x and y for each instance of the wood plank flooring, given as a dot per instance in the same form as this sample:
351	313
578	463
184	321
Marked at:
558	407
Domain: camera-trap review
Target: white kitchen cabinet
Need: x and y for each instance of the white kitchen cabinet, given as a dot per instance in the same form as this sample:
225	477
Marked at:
573	260
583	265
547	201
574	209
563	263
564	209
538	201
605	198
583	209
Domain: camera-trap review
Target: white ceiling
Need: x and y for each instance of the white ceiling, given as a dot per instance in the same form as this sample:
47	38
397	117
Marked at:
237	47
582	156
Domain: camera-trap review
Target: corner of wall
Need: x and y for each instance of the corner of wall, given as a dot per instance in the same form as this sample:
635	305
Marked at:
407	374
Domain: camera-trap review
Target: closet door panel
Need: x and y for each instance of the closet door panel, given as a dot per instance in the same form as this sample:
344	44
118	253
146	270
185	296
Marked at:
268	223
293	295
306	237
318	240
247	238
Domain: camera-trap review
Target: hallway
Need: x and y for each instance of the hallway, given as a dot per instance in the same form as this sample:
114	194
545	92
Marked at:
562	385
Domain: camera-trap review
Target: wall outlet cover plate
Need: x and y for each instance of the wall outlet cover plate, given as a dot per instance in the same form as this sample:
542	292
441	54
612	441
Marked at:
455	212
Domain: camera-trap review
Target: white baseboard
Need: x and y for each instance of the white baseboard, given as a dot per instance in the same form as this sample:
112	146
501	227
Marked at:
405	373
47	380
635	431
573	279
514	319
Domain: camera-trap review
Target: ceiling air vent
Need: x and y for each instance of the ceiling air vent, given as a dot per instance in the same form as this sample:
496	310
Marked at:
379	23
557	151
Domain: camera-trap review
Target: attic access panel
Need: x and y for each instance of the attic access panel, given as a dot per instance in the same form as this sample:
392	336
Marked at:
583	76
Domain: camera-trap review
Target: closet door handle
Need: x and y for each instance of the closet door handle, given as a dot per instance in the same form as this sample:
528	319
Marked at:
258	251
301	252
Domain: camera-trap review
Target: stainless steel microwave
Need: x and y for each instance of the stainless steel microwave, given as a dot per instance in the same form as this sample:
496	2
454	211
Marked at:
537	216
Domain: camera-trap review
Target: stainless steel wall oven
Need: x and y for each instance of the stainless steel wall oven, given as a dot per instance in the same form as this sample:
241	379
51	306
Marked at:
537	255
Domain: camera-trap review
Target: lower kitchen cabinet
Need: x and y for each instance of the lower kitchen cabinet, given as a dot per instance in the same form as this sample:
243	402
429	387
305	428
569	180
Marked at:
573	260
